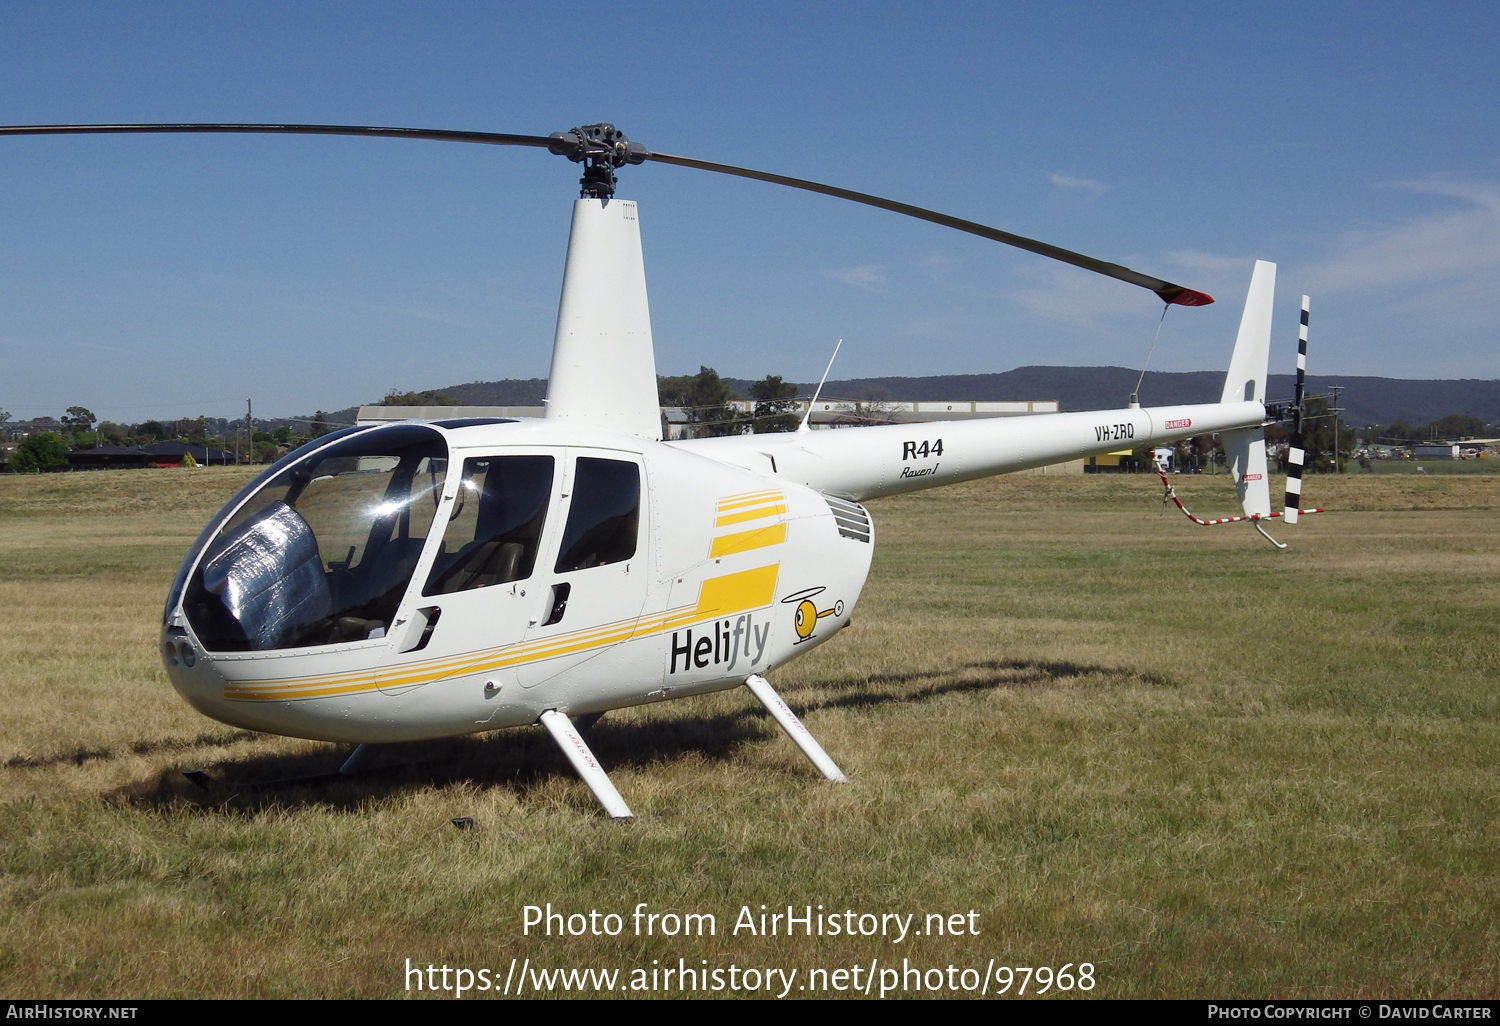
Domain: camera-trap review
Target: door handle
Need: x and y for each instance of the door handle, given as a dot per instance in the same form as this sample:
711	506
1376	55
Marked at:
419	631
559	603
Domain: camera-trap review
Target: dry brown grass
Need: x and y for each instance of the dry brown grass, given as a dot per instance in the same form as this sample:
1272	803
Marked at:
1205	766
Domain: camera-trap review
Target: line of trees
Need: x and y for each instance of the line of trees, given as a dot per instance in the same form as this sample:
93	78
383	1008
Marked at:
46	441
1455	427
705	397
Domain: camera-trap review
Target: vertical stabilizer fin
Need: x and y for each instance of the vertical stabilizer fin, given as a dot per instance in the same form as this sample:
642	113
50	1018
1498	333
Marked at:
603	364
1245	448
1246	380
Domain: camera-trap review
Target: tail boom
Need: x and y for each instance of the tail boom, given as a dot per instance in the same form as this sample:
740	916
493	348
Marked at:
869	462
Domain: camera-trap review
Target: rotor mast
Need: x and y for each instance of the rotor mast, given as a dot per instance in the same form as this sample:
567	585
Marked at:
603	359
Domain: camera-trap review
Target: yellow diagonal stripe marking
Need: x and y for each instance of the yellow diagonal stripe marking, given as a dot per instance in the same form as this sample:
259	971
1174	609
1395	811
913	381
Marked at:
759	513
735	593
745	541
750	499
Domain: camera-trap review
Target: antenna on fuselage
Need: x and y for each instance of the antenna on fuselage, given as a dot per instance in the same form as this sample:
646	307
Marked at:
808	415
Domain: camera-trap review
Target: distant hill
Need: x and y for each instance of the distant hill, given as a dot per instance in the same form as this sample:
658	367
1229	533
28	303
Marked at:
1366	400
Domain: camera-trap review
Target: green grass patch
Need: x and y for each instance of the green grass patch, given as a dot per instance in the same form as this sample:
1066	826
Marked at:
1206	767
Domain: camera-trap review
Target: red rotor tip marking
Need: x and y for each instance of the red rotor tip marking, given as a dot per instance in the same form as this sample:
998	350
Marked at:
1180	296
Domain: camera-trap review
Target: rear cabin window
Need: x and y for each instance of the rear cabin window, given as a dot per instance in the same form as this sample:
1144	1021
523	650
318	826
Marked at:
495	525
605	517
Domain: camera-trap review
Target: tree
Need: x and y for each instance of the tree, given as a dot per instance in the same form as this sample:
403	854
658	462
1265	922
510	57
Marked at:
775	405
1458	426
282	434
428	398
155	429
704	397
187	461
193	430
1193	454
78	418
871	408
38	453
319	424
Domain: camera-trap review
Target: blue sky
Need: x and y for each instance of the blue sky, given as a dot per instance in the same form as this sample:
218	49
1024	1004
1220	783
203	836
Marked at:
1357	145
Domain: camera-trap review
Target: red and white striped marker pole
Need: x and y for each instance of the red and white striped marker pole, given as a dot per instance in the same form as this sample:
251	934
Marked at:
1172	494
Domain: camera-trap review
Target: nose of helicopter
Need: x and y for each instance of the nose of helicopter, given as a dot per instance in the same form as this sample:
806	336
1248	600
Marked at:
191	670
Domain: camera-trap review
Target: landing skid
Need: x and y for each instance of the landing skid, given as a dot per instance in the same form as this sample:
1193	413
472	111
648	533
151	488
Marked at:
572	744
566	733
787	720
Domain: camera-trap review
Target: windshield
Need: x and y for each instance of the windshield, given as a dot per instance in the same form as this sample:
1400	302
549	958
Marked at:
323	551
211	528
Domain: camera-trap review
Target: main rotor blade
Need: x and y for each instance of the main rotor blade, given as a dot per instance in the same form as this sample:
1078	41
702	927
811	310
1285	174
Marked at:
1168	292
437	134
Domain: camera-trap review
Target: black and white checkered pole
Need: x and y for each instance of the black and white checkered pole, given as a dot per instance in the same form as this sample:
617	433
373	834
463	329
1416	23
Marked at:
1294	452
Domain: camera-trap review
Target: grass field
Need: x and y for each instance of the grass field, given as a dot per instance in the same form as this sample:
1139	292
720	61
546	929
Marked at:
1484	466
1204	766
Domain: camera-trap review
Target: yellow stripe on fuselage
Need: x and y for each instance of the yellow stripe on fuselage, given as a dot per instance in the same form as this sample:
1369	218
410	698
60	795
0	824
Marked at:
746	541
749	589
718	596
758	513
730	502
737	509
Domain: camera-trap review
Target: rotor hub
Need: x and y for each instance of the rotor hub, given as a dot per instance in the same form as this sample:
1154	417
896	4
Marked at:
601	149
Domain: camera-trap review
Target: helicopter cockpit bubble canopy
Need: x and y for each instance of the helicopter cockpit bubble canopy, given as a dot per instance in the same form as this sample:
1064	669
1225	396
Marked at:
323	549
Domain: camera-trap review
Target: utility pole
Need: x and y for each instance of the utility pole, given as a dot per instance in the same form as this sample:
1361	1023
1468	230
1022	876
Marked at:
1335	409
250	435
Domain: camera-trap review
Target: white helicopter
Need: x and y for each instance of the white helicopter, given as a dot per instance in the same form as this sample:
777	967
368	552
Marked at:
429	579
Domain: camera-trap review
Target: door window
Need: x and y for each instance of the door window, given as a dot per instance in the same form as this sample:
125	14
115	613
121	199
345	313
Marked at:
605	517
496	524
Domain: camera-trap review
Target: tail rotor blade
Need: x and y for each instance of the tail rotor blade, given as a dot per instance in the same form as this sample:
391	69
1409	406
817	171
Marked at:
1295	454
